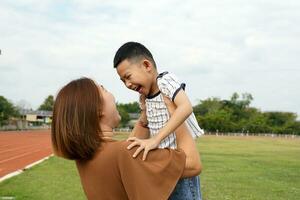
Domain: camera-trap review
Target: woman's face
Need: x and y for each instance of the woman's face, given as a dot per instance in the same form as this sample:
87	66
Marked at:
110	115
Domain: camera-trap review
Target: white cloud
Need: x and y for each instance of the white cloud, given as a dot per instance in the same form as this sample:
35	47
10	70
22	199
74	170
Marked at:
217	47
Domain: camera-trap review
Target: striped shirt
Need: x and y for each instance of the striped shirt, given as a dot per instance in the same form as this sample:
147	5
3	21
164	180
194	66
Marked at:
157	112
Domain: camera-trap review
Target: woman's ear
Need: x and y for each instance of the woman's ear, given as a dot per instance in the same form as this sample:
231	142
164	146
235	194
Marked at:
100	114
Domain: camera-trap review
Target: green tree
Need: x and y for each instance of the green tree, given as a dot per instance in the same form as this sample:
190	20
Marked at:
124	110
280	118
207	106
237	115
244	102
124	116
257	124
292	128
7	110
238	106
47	104
217	121
130	107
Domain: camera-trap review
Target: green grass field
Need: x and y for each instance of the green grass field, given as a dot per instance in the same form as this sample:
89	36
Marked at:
258	168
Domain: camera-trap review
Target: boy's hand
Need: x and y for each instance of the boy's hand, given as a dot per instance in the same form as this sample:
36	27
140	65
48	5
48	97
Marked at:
145	144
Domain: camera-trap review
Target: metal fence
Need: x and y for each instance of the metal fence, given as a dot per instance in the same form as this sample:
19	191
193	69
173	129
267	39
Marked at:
17	128
253	134
128	130
230	134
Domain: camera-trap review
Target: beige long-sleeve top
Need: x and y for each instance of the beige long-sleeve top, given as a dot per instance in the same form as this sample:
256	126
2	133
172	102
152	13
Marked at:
113	174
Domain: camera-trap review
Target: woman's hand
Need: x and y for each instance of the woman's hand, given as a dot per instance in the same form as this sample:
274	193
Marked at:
144	144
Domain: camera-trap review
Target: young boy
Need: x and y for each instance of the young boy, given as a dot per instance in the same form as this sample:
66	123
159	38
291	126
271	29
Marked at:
137	69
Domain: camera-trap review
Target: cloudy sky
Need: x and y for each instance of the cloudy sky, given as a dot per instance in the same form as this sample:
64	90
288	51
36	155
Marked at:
216	47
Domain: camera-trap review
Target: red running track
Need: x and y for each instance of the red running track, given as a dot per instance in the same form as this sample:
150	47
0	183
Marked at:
21	148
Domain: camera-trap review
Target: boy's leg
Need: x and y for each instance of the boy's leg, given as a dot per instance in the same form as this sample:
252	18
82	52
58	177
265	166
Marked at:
187	189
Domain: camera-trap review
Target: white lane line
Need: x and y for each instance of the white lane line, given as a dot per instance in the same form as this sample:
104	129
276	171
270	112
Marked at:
19	148
19	171
22	155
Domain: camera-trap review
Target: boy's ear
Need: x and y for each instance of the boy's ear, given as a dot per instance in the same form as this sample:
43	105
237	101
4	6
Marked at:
147	64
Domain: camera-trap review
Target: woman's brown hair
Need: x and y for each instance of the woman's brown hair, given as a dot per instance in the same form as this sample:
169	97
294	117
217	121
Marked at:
76	132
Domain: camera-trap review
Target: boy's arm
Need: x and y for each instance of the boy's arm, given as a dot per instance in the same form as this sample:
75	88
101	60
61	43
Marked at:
181	113
183	110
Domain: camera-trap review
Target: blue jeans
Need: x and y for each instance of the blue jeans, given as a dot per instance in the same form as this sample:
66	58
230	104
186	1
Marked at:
187	189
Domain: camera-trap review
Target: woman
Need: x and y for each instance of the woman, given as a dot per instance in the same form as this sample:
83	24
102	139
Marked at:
84	116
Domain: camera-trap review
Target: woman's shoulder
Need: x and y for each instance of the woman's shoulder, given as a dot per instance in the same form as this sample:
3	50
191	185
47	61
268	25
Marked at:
116	144
108	152
114	148
117	151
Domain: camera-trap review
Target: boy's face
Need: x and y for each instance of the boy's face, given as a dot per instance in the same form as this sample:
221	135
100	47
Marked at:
137	75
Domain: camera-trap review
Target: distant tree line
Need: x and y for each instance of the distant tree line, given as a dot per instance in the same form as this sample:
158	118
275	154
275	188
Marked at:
233	115
236	115
213	114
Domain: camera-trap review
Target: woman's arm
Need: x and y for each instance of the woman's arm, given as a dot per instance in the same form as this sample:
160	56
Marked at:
186	142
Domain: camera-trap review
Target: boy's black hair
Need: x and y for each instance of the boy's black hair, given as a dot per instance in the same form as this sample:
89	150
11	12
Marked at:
131	50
